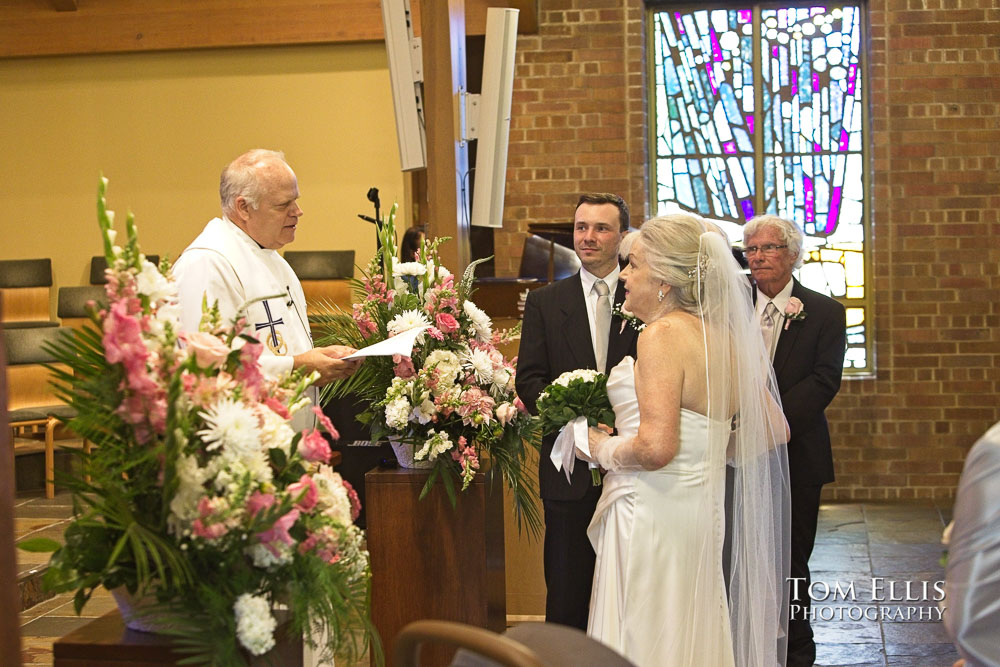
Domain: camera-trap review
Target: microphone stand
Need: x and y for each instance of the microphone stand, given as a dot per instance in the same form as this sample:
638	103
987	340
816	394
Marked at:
377	220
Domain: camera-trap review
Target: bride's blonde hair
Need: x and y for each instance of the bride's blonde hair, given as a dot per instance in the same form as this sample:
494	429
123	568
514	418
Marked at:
671	244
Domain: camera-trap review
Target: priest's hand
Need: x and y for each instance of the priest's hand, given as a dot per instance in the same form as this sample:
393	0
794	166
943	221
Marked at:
328	363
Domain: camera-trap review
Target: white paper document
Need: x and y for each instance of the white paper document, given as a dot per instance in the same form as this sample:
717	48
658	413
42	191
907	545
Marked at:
399	344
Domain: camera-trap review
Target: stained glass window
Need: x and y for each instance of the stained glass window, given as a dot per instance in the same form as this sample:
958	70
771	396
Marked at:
761	109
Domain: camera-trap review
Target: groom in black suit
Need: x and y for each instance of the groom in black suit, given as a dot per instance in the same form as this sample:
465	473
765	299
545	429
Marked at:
561	332
805	333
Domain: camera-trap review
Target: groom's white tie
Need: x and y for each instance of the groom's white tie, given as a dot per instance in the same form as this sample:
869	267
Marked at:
768	328
602	324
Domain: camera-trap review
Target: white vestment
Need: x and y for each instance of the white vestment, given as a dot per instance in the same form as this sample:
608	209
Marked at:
225	265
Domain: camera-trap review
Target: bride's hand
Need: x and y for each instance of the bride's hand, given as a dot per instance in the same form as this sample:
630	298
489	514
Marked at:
596	437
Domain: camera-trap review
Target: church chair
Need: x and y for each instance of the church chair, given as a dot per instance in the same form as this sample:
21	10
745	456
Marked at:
325	276
33	409
524	645
72	305
98	264
26	286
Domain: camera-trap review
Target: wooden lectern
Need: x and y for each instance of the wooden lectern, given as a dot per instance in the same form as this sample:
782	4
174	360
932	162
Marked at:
432	561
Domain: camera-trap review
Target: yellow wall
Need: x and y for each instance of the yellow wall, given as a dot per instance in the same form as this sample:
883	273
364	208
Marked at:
161	126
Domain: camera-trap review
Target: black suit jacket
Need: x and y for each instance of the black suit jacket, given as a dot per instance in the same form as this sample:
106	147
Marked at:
555	338
808	364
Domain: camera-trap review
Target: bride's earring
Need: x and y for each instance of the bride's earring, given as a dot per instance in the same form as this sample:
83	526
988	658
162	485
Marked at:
660	295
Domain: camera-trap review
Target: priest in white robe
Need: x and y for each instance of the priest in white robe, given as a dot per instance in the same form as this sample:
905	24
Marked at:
235	262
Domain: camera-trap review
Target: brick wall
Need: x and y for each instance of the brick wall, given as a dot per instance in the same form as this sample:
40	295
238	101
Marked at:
579	123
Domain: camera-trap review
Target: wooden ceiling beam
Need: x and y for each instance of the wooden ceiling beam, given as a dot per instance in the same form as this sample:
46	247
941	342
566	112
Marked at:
118	26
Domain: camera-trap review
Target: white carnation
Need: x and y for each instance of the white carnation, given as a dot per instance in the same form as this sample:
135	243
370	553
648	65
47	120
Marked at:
331	495
254	623
480	321
275	431
502	379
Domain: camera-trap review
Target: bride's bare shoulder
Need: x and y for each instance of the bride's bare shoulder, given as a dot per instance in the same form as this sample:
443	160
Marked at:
674	331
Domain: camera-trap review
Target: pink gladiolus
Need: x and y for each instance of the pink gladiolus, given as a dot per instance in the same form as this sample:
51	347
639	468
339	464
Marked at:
277	407
248	373
211	531
209	351
304	492
325	422
519	404
446	323
259	501
435	333
314	447
279	532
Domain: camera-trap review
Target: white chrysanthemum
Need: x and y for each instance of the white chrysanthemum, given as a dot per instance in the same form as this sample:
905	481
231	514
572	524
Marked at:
397	412
254	623
406	320
232	425
479	362
447	364
154	284
424	411
435	445
275	431
408	269
190	489
585	374
480	321
331	495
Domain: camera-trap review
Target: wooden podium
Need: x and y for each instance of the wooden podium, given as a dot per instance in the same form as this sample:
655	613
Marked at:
106	641
432	561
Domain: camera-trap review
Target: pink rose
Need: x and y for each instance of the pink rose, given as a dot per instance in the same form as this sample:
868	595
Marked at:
505	413
446	323
793	311
404	366
209	351
314	447
304	493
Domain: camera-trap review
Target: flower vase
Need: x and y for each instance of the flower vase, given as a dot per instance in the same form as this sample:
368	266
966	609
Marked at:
132	609
404	455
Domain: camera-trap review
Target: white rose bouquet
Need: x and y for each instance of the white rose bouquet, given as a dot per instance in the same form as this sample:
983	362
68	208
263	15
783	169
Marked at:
576	400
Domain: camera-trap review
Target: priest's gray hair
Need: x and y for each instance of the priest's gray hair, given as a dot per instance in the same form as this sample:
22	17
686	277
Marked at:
788	232
672	243
241	178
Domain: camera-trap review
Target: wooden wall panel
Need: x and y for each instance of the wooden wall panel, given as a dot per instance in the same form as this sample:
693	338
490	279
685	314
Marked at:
36	28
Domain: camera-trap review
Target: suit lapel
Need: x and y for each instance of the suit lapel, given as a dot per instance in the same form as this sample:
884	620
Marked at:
576	324
620	337
786	341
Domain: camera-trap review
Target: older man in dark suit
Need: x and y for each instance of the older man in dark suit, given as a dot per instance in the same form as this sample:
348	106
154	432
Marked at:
805	333
569	325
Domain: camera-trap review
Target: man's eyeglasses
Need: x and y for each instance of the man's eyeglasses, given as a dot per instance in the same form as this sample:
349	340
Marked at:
766	249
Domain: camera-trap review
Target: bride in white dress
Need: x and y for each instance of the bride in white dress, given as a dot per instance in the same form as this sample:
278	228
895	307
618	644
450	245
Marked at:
701	394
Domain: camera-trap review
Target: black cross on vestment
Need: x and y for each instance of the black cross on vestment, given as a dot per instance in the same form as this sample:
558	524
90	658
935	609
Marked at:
270	323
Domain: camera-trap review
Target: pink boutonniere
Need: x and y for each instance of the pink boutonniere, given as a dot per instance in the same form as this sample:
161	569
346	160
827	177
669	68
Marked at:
794	311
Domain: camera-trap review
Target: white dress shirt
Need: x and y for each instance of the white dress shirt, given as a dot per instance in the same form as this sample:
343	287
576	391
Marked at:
587	280
780	301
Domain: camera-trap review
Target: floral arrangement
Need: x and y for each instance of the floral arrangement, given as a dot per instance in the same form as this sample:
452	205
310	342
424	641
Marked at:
580	394
199	499
794	311
453	398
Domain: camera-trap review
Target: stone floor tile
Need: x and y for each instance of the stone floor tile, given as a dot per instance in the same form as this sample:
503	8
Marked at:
847	632
914	633
850	655
52	626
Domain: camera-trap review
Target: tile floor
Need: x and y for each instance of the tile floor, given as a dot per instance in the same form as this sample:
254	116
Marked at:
865	555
